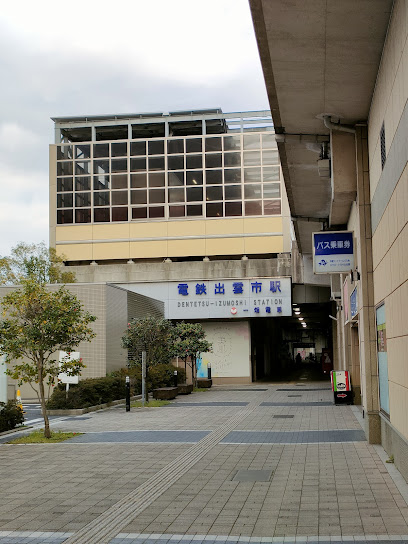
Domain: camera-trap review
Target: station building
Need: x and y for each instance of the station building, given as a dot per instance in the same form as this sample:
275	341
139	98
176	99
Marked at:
337	80
187	212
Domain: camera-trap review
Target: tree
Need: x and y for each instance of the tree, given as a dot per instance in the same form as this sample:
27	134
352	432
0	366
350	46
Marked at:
35	261
39	322
188	343
151	335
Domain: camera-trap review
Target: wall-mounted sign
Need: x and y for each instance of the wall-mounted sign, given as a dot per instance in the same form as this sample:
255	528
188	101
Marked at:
353	303
332	252
64	357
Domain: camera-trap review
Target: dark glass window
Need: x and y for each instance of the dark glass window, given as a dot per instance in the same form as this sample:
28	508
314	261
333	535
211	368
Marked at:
119	214
102	215
157	179
272	207
64	200
175	146
156	196
176	179
138	148
156	163
253	190
156	211
194	161
194	145
101	183
232	159
64	168
232	143
214	193
177	211
194	210
195	178
233	209
194	194
64	217
139	213
137	165
83	183
64	152
214	209
101	198
83	167
119	149
175	163
232	176
119	165
82	151
119	198
213	161
138	197
253	207
213	144
138	180
156	147
82	200
101	167
213	177
232	192
83	216
176	195
119	182
64	184
100	151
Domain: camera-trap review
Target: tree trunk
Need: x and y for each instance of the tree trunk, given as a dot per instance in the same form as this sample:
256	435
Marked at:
193	372
47	432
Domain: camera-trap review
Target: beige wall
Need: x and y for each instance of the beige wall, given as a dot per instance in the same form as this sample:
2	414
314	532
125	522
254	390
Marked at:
390	239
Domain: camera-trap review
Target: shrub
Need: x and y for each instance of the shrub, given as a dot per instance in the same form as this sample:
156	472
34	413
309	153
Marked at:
160	375
90	392
10	415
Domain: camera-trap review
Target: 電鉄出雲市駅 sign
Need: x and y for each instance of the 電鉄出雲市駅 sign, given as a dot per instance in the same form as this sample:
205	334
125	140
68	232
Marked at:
260	297
333	252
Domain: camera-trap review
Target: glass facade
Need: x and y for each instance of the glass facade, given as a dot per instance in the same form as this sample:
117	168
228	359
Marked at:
229	175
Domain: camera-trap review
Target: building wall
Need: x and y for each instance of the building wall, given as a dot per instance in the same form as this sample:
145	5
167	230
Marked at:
389	201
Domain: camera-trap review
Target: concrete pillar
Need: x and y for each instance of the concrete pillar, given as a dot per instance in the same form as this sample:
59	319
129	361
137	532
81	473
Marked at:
3	379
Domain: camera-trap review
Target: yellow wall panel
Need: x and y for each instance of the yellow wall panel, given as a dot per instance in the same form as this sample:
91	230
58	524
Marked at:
75	252
262	224
186	248
74	232
264	244
114	250
148	250
111	231
224	226
224	246
148	230
186	228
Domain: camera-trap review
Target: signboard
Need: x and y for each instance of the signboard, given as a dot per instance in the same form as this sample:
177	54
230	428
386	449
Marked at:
332	252
238	298
64	356
353	303
340	381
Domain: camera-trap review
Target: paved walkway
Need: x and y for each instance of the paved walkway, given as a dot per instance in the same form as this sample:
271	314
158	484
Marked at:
234	464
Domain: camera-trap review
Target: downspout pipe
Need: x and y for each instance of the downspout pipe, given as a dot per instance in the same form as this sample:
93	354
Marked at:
334	126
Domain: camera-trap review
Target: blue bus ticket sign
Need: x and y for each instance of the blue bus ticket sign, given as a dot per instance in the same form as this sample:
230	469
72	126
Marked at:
333	252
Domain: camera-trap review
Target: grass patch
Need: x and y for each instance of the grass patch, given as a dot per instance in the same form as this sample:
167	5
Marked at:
150	404
37	437
200	389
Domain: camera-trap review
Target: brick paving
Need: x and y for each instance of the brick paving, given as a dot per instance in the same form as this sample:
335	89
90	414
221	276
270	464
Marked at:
324	483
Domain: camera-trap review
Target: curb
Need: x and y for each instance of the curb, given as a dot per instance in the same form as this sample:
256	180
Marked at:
80	411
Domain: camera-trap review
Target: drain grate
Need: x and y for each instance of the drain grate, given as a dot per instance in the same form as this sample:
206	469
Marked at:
283	417
253	476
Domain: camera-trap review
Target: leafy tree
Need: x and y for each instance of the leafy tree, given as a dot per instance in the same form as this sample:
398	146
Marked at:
151	335
38	322
188	343
35	261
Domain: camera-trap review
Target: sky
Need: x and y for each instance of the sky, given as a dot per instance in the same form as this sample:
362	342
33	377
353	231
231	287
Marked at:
96	57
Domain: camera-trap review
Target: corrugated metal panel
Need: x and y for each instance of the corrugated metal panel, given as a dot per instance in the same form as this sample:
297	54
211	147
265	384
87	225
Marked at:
140	306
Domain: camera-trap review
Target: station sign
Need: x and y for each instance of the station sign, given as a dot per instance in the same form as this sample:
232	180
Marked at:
333	252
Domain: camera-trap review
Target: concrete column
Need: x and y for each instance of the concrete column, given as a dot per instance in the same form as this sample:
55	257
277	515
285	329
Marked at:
3	379
367	328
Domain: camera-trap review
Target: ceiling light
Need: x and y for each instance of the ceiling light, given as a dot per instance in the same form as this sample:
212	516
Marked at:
301	318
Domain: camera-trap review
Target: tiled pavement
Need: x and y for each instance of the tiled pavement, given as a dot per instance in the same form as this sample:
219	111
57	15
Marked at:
327	484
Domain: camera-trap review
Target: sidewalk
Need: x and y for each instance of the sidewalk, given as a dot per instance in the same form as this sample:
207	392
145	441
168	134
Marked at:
264	463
